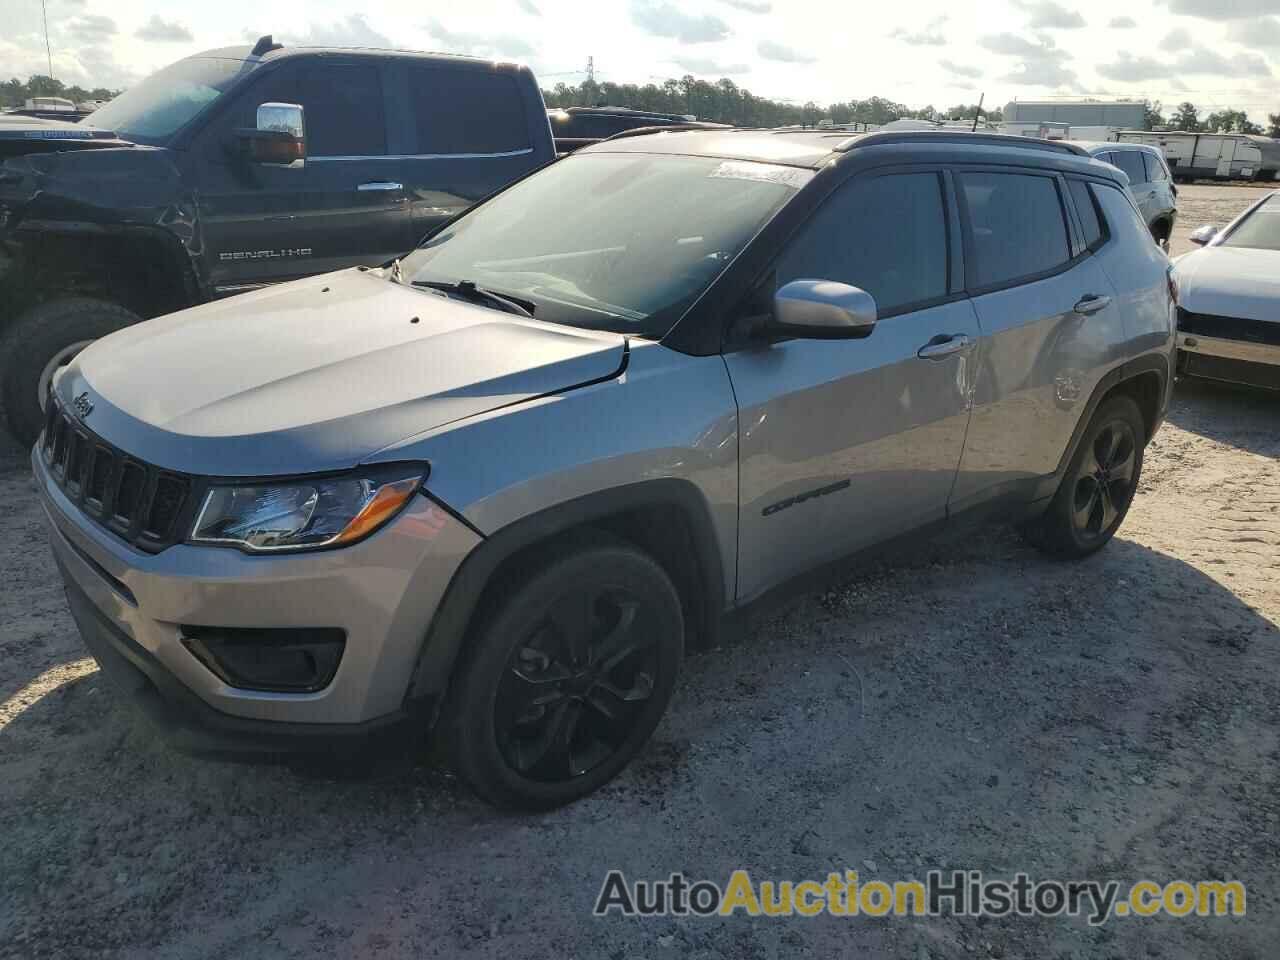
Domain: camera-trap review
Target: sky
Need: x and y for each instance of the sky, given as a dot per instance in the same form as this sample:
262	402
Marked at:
1216	53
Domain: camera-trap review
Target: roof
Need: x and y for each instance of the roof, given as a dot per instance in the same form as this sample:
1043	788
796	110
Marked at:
281	52
1101	146
812	148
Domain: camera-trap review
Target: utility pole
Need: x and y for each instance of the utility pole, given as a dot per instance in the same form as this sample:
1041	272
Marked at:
591	69
44	9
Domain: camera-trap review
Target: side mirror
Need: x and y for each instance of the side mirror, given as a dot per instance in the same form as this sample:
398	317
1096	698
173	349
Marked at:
280	136
1203	235
822	310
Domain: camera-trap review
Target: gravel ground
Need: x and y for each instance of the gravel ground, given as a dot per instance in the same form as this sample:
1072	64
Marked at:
970	705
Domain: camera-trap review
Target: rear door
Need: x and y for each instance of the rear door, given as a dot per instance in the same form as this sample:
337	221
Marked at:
1131	162
844	443
1050	326
471	129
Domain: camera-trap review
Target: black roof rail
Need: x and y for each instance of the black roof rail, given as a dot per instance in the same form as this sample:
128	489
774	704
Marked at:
264	45
959	136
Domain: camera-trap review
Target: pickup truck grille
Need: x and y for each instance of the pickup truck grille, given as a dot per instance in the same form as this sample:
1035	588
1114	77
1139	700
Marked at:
143	505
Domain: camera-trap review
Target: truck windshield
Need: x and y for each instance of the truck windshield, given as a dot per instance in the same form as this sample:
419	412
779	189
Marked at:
1261	229
160	105
623	242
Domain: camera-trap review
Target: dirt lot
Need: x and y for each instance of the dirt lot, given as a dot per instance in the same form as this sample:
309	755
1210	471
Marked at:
970	706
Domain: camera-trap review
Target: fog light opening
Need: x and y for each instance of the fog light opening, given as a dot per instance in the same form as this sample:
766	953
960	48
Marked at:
282	660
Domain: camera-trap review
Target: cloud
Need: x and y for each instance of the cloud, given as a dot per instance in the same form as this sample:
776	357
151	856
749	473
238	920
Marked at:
776	51
354	31
930	36
1261	34
1122	23
710	67
528	7
1176	40
480	44
749	6
163	31
665	20
1043	63
1048	15
1224	9
90	28
960	69
1198	60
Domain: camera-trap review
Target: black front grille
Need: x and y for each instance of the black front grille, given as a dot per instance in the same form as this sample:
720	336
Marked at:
144	505
1229	328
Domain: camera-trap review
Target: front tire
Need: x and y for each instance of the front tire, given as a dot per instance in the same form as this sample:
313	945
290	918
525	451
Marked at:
568	678
1099	485
41	341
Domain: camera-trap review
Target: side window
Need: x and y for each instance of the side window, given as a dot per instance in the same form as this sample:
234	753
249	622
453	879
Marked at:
1122	216
277	86
1130	161
887	235
344	113
1016	227
1087	210
1155	169
467	111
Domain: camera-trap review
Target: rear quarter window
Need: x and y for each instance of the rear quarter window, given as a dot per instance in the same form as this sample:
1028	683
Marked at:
1087	210
1130	161
467	111
1155	168
1016	228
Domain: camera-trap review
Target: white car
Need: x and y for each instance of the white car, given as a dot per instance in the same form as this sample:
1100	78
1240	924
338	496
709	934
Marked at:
1229	299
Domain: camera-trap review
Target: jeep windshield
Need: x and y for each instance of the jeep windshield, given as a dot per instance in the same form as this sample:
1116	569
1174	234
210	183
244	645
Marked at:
622	242
168	100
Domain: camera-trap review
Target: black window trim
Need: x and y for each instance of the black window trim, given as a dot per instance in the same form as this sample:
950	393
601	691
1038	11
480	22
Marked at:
1068	225
1105	226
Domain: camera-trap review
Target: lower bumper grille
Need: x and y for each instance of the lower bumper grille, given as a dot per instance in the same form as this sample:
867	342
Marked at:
140	503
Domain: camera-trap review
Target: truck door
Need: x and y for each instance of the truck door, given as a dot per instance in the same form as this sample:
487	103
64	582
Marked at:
341	206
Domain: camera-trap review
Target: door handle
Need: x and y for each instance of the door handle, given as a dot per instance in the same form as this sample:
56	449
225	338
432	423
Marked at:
380	185
1091	304
943	346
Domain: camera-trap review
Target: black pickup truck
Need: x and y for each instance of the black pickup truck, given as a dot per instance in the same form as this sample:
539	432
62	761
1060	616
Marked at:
234	169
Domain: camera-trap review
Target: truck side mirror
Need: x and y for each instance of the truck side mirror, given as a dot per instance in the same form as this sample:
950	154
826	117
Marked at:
280	136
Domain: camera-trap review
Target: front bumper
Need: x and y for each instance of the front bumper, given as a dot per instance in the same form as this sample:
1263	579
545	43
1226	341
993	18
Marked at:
132	608
1233	361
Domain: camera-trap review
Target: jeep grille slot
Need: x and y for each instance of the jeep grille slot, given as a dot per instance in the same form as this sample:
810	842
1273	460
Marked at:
139	503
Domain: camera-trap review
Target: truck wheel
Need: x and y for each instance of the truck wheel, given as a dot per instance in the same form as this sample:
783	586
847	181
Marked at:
1099	484
568	678
41	341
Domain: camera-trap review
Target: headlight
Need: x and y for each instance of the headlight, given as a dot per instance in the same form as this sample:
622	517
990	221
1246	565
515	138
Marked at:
305	514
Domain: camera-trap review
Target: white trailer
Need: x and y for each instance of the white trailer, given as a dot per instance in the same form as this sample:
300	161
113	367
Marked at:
1213	156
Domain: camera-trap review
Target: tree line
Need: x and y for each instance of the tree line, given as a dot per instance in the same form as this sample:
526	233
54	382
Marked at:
725	102
14	93
1187	117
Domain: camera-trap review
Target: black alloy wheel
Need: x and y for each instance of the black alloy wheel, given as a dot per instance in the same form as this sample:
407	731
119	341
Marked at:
1105	486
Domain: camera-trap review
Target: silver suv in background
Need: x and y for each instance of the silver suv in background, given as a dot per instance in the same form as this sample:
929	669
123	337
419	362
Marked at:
496	488
1149	179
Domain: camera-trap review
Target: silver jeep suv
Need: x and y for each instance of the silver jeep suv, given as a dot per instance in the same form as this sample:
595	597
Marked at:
496	488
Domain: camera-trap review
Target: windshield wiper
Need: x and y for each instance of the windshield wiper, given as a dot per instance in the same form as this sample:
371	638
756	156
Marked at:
469	291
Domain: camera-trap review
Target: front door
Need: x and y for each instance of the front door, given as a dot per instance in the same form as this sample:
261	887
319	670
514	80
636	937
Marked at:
845	443
264	223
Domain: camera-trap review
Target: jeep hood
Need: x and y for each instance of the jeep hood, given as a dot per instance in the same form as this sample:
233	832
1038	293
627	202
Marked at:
1230	282
319	374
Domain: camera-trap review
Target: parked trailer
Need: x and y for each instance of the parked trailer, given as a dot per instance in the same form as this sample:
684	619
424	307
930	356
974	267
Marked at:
1213	156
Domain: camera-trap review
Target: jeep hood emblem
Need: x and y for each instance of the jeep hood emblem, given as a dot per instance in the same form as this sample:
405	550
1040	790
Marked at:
83	405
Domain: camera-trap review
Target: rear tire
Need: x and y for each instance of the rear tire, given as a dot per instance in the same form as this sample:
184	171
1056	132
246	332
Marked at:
1098	487
39	341
568	678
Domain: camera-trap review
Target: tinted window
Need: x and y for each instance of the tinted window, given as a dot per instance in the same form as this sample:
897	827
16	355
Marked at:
1087	212
1155	169
1016	227
467	111
887	235
151	111
343	103
1130	161
1122	219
